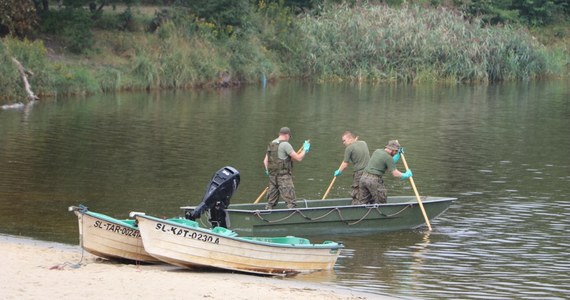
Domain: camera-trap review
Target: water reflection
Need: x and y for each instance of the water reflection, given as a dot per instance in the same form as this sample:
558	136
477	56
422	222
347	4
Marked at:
501	149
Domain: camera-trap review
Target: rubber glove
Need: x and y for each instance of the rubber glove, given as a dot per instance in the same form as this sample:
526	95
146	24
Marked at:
406	175
337	173
266	172
396	157
307	146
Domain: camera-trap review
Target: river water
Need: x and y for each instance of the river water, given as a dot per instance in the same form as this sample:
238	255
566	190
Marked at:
502	150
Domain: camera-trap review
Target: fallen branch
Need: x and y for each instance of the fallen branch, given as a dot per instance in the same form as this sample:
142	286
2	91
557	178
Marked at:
24	75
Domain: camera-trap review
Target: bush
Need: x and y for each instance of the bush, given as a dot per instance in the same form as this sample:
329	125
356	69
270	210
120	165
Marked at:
32	55
76	24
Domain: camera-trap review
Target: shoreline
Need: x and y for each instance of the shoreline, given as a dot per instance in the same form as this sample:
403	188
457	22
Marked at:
35	269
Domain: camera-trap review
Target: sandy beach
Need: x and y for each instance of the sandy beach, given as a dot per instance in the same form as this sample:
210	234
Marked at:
32	269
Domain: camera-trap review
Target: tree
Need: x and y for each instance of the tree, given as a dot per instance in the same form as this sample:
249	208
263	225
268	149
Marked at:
220	12
530	12
17	17
536	12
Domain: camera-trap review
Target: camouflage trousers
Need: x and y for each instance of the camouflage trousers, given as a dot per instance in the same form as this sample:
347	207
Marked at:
372	189
356	186
281	185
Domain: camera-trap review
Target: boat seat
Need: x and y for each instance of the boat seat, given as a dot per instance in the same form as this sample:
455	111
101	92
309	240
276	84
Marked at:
224	231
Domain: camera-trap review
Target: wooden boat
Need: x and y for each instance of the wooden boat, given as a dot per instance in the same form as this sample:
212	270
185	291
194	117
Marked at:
330	217
110	238
184	243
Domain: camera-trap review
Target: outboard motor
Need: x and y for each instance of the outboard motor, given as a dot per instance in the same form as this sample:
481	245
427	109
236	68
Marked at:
217	198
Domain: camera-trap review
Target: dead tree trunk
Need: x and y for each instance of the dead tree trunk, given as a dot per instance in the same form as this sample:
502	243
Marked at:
27	86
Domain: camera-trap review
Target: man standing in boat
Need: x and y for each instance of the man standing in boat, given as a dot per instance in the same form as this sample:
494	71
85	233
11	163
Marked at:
372	189
357	154
278	164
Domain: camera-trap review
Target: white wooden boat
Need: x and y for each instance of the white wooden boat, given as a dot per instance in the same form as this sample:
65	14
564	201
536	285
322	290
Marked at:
182	242
110	238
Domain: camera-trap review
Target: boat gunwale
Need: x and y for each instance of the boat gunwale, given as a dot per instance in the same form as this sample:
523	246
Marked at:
368	206
330	245
104	217
139	257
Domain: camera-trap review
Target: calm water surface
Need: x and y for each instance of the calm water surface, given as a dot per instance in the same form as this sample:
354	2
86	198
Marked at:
502	150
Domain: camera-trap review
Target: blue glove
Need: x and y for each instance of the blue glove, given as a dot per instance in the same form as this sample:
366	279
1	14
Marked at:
266	172
406	175
307	146
396	157
337	173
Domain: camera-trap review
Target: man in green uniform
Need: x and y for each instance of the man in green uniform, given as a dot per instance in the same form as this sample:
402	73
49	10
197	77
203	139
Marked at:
357	154
372	189
278	164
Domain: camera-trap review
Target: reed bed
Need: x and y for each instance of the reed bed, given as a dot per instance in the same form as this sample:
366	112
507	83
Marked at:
410	43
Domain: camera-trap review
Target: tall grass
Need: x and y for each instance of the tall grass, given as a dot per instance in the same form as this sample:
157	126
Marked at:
9	77
359	43
411	43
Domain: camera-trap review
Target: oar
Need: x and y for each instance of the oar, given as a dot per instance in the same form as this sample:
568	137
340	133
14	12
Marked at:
267	188
417	194
261	195
330	186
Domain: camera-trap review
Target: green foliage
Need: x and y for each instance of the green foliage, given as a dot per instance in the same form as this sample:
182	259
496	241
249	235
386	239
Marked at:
359	42
220	12
17	17
9	76
71	25
48	78
32	55
383	43
536	12
492	12
99	4
530	12
145	71
75	80
109	79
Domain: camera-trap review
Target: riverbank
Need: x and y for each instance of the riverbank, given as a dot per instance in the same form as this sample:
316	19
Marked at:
155	48
34	269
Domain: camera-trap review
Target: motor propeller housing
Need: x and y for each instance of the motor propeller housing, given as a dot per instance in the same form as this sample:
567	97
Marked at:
217	197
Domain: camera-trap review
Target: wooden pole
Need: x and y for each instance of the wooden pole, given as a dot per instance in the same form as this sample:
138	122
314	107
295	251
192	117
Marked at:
261	195
330	186
417	194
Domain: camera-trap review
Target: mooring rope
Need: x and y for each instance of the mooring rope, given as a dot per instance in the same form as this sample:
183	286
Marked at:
78	264
370	209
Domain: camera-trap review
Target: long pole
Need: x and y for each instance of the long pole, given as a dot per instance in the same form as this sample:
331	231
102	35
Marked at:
417	194
261	195
267	188
330	186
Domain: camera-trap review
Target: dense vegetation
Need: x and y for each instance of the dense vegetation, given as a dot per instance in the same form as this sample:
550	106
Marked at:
79	48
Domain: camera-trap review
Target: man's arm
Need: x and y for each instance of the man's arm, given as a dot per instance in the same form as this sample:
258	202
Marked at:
297	156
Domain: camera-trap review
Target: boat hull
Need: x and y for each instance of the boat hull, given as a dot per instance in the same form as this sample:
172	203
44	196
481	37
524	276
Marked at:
194	247
334	216
110	238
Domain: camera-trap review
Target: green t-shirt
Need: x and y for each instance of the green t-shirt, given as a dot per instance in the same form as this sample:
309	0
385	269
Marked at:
358	155
284	149
380	161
